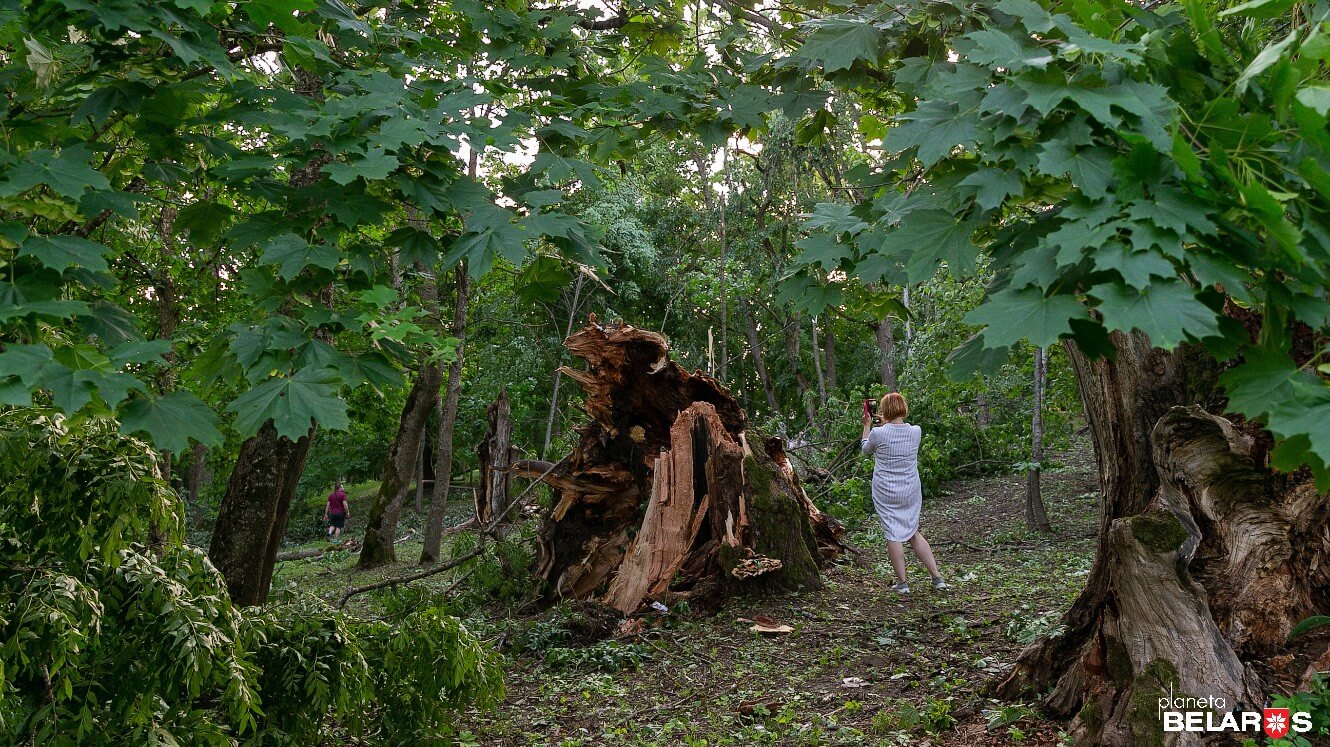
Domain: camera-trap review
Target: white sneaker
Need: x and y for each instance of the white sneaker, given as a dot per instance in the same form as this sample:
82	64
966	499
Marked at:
939	584
902	588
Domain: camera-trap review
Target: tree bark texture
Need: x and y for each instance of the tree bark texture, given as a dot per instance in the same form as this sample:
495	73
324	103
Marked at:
886	348
443	462
421	450
198	472
1205	558
381	520
254	511
1036	517
667	495
817	368
829	347
495	457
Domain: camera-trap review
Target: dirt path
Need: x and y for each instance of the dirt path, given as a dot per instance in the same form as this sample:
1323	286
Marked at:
861	666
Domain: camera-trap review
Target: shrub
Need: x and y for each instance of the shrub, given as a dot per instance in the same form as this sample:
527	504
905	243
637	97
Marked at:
103	641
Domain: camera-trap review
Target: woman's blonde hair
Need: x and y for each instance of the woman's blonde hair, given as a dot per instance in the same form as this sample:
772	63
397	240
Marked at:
892	406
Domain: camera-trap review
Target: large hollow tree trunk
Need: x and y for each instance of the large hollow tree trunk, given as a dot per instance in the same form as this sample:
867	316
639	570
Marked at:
254	511
668	495
1205	558
381	519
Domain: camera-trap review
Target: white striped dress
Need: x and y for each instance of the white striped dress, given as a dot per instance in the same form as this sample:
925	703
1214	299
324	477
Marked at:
897	493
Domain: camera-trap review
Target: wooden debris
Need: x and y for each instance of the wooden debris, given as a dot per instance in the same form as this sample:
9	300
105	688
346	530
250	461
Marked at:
768	625
663	494
495	456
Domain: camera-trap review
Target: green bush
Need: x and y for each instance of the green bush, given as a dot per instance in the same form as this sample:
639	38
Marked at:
104	641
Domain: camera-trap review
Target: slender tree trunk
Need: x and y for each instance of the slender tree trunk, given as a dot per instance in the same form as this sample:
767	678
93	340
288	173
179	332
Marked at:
381	520
759	361
829	347
909	326
553	413
443	464
254	512
886	351
198	467
573	306
724	282
793	343
817	368
421	450
168	316
1035	515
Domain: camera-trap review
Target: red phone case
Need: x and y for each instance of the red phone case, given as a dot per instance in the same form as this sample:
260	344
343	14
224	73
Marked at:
866	410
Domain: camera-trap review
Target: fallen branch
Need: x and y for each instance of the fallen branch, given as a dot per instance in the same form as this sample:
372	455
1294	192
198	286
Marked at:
350	545
396	580
486	531
315	552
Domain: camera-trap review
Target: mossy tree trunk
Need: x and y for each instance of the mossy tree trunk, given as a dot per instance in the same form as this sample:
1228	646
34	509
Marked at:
668	495
1205	559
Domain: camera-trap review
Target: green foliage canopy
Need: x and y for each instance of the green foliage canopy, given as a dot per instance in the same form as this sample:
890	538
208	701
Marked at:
1125	169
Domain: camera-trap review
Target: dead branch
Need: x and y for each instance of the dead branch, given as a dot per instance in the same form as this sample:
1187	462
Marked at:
486	532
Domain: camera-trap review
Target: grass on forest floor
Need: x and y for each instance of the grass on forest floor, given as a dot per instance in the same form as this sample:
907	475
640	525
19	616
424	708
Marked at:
861	667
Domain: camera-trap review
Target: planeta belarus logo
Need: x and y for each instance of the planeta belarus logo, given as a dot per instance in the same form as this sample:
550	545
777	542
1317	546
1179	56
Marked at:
1275	722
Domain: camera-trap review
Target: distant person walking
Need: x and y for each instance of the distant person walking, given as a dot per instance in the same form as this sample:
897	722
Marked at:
897	492
336	512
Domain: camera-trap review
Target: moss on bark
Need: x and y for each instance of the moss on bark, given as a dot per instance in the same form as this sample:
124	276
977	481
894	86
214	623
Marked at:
780	527
1158	531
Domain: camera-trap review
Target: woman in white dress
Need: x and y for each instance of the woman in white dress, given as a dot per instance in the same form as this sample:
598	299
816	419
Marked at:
897	492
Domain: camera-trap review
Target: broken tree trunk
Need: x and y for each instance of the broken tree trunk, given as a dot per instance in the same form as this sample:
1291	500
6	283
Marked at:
1206	557
251	521
495	457
668	495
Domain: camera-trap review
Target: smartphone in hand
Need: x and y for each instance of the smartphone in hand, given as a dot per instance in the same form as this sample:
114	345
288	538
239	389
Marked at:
868	408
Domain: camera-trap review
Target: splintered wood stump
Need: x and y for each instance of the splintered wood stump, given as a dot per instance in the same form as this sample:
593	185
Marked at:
667	495
495	457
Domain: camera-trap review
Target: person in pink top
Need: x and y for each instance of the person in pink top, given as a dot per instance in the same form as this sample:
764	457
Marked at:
336	512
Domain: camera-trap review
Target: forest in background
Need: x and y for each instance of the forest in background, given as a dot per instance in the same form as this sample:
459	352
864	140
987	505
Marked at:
252	249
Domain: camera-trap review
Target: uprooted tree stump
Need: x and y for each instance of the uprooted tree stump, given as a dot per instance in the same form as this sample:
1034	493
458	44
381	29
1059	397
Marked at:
667	495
